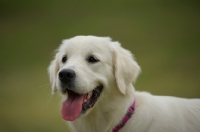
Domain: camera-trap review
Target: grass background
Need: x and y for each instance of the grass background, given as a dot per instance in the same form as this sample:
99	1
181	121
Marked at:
164	35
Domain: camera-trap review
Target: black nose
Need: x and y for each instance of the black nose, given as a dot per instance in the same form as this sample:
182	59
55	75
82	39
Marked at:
66	75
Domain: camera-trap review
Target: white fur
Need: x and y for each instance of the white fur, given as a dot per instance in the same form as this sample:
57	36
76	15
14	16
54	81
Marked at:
116	71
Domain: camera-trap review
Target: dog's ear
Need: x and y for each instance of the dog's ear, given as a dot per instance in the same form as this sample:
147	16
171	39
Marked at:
52	70
126	68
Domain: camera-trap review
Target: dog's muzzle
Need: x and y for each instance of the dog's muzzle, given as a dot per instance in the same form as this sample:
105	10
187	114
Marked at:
76	103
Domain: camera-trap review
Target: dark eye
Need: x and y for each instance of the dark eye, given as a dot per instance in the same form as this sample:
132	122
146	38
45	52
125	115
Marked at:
64	59
92	59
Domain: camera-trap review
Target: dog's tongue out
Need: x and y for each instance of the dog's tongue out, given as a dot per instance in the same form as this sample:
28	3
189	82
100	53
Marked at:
72	107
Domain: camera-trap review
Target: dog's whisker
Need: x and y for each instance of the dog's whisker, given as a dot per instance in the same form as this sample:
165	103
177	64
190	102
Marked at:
45	86
49	99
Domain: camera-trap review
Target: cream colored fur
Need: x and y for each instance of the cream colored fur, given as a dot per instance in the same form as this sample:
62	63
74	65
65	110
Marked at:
116	71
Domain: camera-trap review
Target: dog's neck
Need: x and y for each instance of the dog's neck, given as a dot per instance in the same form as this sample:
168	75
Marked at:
106	111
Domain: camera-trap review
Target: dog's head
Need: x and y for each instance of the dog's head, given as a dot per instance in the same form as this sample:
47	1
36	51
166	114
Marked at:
85	67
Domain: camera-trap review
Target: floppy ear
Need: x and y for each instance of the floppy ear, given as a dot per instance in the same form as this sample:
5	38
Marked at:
126	68
53	69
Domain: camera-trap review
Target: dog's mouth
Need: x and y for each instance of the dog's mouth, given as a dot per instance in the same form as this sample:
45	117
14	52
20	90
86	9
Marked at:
76	103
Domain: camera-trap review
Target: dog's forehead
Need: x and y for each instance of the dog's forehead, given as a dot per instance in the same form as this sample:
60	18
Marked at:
86	44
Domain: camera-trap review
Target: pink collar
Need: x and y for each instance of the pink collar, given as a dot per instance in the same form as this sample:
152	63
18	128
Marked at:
126	117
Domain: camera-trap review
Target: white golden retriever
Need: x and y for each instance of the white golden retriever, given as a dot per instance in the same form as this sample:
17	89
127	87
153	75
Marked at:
94	76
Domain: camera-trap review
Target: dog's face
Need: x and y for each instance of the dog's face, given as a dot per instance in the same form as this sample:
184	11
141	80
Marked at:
85	67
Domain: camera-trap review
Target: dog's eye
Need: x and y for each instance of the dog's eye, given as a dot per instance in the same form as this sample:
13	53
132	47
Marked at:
64	59
92	59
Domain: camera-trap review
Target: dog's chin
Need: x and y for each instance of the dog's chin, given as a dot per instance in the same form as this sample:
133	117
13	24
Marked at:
77	104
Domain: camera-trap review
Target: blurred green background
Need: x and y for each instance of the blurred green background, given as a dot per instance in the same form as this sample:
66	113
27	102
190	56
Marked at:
164	35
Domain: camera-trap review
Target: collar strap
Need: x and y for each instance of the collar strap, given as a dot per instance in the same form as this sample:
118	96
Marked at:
126	117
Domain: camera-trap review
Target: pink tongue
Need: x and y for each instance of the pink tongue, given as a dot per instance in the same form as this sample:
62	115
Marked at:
72	107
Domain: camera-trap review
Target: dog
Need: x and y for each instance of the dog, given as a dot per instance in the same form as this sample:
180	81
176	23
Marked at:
94	76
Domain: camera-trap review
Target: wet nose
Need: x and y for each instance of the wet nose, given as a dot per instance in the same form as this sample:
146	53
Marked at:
66	75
